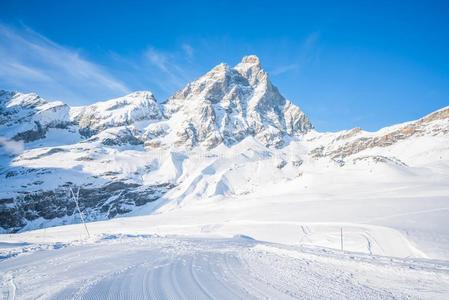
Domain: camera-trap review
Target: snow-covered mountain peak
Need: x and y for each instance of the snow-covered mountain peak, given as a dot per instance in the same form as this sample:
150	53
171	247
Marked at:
15	99
251	69
126	110
141	96
135	99
251	59
28	117
218	70
129	151
225	105
229	104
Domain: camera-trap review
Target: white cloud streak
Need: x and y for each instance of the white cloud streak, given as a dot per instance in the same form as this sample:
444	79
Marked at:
188	50
158	59
174	70
305	53
33	62
284	69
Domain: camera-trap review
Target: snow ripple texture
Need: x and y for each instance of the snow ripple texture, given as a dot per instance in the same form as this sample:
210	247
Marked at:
238	268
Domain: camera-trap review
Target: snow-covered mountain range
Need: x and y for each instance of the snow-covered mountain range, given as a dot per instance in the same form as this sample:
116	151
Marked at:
228	135
225	106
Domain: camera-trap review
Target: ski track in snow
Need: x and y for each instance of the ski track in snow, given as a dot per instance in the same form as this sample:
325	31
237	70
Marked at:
10	292
151	267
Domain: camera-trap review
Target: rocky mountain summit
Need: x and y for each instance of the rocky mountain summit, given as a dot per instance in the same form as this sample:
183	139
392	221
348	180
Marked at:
225	105
123	111
27	117
228	133
228	104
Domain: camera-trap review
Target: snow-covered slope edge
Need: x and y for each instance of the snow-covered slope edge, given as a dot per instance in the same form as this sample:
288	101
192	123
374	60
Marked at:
154	267
227	154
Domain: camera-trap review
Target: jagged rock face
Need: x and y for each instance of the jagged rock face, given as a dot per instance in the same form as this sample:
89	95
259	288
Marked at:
133	150
120	136
117	112
108	201
228	104
434	124
27	117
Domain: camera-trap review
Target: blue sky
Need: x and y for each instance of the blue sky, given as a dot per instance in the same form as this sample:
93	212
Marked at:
347	64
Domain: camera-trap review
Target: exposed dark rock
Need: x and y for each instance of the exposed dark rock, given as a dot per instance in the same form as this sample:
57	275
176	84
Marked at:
297	163
48	153
281	164
87	132
31	135
121	140
108	201
380	159
84	158
11	174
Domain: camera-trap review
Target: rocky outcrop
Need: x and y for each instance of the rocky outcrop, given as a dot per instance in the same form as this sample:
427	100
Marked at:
123	111
108	201
28	117
228	104
129	151
436	123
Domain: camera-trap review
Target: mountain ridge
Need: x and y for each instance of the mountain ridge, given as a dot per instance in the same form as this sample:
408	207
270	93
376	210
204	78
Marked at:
224	105
229	133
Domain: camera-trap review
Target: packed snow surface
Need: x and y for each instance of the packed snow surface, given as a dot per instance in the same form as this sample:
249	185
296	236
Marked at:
152	267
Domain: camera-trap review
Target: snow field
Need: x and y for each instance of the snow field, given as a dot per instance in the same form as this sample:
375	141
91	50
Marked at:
152	267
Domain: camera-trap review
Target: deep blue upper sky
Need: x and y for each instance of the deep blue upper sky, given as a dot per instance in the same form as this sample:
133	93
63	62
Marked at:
357	63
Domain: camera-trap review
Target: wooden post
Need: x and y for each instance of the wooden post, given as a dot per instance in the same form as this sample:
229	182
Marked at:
341	238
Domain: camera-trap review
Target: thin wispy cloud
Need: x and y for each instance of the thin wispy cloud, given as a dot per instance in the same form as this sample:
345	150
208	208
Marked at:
310	50
158	59
37	63
188	50
284	69
15	71
173	69
301	56
161	71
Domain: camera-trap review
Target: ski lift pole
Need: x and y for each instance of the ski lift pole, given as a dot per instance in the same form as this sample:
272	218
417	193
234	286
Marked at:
341	238
75	198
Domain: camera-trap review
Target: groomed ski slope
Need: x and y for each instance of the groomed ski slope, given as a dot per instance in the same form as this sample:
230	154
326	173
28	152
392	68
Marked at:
153	267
